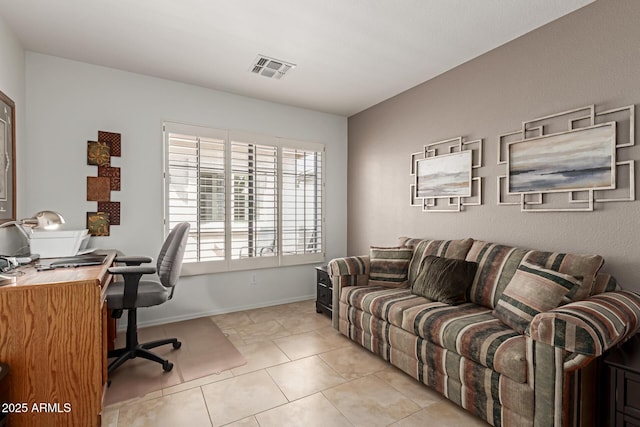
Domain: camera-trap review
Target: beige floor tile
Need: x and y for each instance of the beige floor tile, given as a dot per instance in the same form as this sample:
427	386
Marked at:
304	377
369	401
410	387
247	422
306	306
307	344
259	356
239	397
296	323
232	320
445	413
197	383
185	408
135	400
312	411
258	332
193	366
266	314
110	417
354	362
233	336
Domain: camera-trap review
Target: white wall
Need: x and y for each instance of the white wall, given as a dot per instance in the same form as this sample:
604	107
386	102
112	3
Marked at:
12	66
68	102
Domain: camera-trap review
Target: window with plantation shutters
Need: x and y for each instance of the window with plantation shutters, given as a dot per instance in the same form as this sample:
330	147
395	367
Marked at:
301	201
252	201
254	178
195	191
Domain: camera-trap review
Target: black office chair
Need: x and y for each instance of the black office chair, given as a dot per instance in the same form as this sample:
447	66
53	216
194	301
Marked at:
134	293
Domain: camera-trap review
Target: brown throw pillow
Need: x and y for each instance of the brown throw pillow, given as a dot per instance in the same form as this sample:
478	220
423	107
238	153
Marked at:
444	279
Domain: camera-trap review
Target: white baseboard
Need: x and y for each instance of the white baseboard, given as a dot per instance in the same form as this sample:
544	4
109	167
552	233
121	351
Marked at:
189	316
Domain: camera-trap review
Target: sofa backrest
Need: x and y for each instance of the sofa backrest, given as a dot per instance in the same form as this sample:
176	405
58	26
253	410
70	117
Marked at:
456	249
498	263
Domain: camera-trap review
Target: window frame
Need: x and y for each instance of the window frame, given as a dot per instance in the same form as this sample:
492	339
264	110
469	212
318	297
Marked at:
230	136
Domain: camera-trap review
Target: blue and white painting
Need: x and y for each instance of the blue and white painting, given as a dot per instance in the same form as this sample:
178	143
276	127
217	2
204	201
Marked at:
448	175
582	159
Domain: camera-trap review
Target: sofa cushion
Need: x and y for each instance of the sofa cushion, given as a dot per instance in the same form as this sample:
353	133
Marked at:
456	249
384	303
467	329
444	279
389	266
472	332
498	263
532	290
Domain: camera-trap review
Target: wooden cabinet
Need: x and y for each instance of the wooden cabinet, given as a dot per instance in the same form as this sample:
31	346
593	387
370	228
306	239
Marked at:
623	375
53	337
324	291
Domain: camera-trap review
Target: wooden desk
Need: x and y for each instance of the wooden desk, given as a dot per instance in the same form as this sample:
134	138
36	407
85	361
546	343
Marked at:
53	336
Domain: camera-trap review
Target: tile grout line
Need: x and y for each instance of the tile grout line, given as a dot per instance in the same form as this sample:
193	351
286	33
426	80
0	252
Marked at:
206	406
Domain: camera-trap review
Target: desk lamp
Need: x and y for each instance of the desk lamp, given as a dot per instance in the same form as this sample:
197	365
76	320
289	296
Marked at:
43	220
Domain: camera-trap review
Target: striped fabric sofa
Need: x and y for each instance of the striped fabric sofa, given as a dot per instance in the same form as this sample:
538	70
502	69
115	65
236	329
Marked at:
545	376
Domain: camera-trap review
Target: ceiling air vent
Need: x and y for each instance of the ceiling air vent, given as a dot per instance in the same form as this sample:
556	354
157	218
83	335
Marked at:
270	67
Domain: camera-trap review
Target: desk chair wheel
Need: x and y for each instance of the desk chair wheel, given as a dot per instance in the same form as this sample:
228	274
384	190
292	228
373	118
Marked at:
177	345
167	366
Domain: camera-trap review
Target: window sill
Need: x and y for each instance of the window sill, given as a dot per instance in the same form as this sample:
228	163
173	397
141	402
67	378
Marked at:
212	267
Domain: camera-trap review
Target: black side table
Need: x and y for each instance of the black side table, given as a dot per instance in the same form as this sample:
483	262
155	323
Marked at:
324	291
622	368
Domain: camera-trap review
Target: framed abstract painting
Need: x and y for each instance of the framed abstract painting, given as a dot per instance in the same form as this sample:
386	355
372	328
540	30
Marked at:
444	176
581	159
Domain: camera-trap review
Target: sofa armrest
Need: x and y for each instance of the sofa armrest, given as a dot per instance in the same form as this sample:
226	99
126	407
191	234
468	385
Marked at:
592	326
349	266
347	271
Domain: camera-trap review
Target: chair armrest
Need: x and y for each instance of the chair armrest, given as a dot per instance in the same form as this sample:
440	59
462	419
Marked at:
590	326
134	260
132	269
132	275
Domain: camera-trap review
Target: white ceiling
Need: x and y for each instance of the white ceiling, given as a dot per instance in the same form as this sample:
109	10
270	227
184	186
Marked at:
350	54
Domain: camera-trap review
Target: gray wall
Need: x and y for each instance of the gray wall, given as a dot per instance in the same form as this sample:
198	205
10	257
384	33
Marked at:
591	56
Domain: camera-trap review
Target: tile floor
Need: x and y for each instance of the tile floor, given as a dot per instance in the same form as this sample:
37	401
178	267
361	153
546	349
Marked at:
205	351
300	372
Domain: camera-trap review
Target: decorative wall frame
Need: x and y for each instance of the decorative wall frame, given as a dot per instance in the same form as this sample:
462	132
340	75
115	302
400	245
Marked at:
99	188
443	178
7	159
568	161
